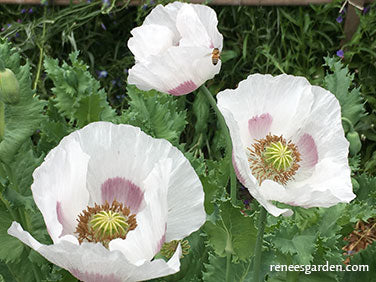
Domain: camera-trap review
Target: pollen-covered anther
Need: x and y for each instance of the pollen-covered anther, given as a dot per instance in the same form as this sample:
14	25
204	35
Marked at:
274	158
103	223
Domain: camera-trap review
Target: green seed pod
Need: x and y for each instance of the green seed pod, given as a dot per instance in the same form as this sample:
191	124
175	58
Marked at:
355	143
9	87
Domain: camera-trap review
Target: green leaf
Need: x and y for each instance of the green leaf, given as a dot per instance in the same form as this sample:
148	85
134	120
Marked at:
155	113
234	233
364	258
10	247
216	270
290	241
338	81
24	117
77	94
215	182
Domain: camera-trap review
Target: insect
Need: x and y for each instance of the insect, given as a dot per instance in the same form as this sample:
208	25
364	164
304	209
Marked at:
215	56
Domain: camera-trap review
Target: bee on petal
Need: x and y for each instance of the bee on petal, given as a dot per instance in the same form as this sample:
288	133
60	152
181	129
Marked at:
216	56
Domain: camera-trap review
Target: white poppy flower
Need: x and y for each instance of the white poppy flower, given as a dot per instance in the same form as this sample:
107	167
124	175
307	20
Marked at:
111	196
288	142
176	49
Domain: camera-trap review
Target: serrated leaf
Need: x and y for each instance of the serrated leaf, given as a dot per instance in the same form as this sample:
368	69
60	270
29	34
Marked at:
77	94
89	109
155	113
338	81
290	241
214	182
23	118
216	270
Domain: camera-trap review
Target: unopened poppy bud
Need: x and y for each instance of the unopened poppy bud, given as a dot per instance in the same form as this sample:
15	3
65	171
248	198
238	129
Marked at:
9	87
355	143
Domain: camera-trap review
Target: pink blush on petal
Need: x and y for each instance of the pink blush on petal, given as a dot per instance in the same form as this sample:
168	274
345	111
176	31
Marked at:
123	191
308	151
94	277
237	172
61	219
184	88
259	126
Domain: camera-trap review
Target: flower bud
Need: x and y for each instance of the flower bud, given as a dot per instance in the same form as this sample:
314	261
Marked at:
355	143
9	87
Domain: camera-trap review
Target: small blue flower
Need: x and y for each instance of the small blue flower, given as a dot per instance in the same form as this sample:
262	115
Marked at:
103	26
366	10
144	7
17	34
102	74
30	11
340	53
152	2
23	11
339	19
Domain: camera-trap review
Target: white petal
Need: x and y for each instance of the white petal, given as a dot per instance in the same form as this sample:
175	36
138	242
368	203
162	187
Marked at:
143	243
287	99
191	28
158	267
208	17
329	185
59	187
325	126
93	262
178	71
185	199
149	40
166	16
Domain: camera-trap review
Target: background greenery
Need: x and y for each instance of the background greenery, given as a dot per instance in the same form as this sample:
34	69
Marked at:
65	89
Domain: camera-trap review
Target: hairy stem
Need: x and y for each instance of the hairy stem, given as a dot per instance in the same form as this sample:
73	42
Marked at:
258	247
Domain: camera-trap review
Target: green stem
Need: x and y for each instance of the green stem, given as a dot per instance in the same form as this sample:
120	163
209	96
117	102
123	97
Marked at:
41	51
349	123
223	125
258	247
228	264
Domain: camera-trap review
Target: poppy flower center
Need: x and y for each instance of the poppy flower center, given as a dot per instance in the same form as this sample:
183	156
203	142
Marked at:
274	158
103	223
